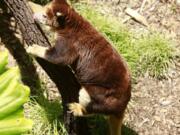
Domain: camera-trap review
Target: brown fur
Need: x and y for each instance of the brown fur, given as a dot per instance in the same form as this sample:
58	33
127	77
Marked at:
96	64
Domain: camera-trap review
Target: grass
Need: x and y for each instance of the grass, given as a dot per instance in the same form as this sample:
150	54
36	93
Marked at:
155	54
150	53
46	116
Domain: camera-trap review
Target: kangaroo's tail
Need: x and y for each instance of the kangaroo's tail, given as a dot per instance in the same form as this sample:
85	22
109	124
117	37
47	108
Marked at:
115	124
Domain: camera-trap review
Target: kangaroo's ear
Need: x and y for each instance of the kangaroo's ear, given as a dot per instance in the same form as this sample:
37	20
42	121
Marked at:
58	14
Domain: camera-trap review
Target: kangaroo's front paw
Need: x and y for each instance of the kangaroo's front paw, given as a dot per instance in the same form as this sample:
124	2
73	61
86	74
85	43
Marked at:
37	50
31	49
76	109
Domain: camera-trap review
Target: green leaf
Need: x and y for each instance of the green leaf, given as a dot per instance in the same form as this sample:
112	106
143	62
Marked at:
13	95
15	126
3	60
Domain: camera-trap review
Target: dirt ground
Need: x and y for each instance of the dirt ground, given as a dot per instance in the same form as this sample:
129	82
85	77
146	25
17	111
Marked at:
155	105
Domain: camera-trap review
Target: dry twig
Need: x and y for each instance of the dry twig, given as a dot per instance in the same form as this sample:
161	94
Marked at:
134	14
142	5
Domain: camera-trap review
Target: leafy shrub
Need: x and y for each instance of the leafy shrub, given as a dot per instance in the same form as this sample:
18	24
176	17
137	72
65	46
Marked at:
13	95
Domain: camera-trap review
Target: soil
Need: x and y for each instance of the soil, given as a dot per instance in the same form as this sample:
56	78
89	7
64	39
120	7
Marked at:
155	105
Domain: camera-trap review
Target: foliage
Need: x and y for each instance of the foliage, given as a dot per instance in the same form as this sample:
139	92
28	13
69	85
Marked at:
13	95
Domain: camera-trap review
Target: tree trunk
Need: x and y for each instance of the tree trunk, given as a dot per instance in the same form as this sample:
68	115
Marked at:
32	34
15	47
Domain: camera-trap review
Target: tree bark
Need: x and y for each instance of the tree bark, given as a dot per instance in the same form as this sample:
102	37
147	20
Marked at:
32	34
15	47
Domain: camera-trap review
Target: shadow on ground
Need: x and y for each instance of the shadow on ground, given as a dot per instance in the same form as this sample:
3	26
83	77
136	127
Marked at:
99	126
128	131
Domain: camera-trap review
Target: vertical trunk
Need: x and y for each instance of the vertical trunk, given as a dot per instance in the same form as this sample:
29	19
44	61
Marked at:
32	34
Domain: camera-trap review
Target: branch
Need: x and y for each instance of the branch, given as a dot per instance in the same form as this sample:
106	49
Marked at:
134	14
